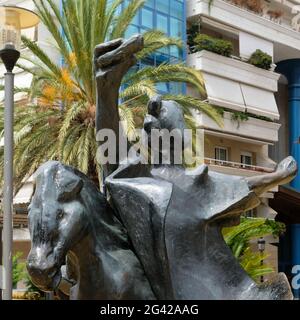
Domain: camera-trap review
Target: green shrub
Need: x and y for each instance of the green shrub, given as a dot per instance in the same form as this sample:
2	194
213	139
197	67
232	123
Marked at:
191	35
219	46
18	269
261	59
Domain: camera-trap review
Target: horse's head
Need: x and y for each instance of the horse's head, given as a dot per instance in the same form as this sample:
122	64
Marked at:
56	222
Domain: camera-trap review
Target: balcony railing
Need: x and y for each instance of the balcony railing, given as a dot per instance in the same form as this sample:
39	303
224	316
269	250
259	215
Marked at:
19	220
236	165
283	12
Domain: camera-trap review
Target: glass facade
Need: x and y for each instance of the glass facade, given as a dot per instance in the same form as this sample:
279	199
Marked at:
169	17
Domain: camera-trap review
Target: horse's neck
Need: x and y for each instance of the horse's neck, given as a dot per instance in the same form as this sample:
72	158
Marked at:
86	253
95	254
89	268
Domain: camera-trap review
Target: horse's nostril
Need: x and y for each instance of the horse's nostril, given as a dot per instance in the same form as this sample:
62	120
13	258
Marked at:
41	269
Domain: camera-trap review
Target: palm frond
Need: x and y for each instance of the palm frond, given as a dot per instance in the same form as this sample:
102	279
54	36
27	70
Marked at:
155	40
124	19
143	87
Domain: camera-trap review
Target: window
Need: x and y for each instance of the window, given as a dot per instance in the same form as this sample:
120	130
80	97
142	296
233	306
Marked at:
162	5
131	30
162	57
250	213
162	87
221	154
162	23
175	28
147	18
175	87
176	9
149	3
246	159
175	52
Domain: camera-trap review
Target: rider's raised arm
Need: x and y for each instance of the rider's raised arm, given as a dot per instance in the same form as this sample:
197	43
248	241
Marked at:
112	60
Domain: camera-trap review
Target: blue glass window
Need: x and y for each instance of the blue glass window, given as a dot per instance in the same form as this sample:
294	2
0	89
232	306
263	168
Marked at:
175	87
168	17
162	87
131	30
149	3
147	18
176	52
176	9
162	58
176	28
164	50
148	61
162	5
143	30
162	23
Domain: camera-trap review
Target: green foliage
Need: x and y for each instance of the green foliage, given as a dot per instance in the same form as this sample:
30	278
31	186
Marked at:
219	46
240	116
256	116
251	263
261	59
61	126
18	269
20	273
192	32
238	239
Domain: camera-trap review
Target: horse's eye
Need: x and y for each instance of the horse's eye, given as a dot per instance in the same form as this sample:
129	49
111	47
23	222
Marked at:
60	214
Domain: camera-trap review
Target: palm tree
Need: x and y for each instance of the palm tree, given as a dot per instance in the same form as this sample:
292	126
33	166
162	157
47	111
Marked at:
60	123
238	239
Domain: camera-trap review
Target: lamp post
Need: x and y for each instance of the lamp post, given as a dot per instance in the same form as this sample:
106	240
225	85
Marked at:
12	20
261	247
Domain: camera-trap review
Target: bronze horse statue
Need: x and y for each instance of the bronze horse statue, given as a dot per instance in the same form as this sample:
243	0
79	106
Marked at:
160	236
69	217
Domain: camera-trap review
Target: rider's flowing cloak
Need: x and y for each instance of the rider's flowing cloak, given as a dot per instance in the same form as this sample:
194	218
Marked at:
174	219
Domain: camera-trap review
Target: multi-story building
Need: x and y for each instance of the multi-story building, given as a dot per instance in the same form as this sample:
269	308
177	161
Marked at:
259	107
270	131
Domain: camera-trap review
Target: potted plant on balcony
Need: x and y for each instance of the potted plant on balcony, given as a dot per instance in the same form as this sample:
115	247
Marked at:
254	5
239	3
219	46
261	59
275	15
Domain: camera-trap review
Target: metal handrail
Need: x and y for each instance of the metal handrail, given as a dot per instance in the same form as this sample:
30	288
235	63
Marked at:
237	165
18	220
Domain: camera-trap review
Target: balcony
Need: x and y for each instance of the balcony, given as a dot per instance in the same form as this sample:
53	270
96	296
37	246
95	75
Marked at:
277	20
237	85
19	220
262	131
235	168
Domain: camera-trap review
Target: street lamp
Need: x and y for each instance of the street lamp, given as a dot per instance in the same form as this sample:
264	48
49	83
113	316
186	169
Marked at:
12	21
261	243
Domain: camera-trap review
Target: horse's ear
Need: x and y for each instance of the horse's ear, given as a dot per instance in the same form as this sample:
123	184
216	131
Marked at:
69	186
